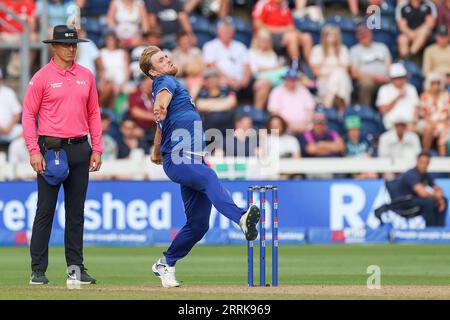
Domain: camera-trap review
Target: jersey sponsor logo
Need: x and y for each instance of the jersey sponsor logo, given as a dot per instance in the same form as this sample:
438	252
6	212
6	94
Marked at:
56	85
81	82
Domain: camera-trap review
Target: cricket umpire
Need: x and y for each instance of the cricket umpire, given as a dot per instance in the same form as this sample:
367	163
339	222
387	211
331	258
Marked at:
60	109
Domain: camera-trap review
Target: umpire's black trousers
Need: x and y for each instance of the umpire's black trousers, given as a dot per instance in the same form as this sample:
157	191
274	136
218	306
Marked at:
75	187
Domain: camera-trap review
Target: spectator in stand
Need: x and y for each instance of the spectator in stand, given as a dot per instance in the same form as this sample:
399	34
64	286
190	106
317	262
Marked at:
58	12
264	63
216	103
88	56
275	16
397	99
292	102
443	13
321	141
141	108
330	63
230	57
18	152
358	8
436	57
208	8
313	9
399	143
355	145
193	79
130	139
190	63
150	38
279	140
110	148
415	20
370	65
128	18
169	15
10	110
244	142
184	52
434	113
117	70
11	30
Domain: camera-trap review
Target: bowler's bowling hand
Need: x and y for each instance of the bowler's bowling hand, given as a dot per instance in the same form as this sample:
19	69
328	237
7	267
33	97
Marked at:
156	158
159	112
38	163
96	162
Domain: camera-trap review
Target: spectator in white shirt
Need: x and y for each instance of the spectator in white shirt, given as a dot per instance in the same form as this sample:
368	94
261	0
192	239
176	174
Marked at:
18	152
399	143
398	99
230	57
330	63
370	65
10	110
88	55
286	145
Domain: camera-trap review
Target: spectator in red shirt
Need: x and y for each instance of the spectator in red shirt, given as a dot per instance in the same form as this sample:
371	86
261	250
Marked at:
11	29
141	107
275	16
26	9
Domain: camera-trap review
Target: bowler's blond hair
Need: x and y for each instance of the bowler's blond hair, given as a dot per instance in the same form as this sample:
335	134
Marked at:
145	62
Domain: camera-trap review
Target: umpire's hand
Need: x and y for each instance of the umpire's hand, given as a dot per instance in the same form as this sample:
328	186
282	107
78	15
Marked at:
38	163
96	162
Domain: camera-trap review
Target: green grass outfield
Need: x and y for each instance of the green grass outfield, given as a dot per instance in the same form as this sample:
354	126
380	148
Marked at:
219	272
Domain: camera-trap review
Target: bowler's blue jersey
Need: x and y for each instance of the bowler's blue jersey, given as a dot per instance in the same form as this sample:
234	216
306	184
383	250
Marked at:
181	120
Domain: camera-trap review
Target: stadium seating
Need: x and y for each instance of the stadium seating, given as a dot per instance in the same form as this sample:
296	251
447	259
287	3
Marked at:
204	31
94	30
258	116
414	74
372	124
387	34
96	8
347	27
243	31
334	119
310	26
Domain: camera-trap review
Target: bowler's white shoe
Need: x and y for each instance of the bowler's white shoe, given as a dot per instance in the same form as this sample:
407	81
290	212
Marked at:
166	273
248	223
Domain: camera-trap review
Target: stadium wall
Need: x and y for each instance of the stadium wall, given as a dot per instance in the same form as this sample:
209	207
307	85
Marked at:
151	212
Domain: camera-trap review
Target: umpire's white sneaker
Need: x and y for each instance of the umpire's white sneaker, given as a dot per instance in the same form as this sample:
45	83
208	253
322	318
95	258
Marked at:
248	223
166	273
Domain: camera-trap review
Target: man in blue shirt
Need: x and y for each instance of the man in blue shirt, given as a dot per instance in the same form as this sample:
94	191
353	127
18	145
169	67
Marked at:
179	148
427	195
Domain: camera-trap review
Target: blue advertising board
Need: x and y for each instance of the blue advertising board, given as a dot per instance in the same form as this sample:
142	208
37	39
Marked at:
149	212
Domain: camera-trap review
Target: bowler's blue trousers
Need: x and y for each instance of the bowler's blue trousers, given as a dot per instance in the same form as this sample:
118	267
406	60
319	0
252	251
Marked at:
200	188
